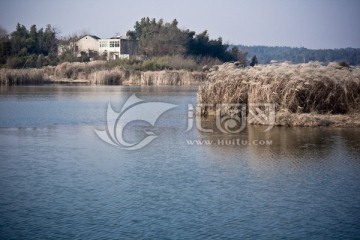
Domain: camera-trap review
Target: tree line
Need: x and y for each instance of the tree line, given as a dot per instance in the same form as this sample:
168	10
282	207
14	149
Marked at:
31	48
302	55
157	38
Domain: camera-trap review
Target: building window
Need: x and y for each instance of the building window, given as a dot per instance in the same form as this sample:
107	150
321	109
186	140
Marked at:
103	44
114	44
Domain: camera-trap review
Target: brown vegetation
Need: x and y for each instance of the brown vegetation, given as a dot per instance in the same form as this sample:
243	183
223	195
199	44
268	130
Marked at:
167	77
301	92
22	76
99	72
108	77
77	70
96	72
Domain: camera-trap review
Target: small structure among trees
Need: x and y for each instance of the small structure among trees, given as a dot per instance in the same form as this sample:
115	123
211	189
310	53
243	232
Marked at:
117	48
150	39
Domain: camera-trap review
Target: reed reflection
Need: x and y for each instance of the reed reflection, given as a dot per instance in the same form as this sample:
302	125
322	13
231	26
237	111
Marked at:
294	146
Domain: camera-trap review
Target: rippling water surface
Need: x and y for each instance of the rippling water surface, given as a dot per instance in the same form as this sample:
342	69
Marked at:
59	180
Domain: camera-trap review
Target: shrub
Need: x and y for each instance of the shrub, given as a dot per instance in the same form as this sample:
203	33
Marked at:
344	64
15	62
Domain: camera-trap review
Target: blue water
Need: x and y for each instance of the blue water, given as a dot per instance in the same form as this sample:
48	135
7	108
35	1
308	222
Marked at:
58	180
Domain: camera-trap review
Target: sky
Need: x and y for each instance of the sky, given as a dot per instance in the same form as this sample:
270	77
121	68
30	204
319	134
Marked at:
314	24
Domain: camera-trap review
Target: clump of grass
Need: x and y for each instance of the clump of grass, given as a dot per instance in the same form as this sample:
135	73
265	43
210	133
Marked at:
126	64
77	70
177	62
294	88
344	64
21	76
109	77
171	77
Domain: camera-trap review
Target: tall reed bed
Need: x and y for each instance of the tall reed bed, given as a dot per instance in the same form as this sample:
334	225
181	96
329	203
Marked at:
108	77
77	70
100	73
168	77
293	88
21	76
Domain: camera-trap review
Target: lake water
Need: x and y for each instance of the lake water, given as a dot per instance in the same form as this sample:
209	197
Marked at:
59	180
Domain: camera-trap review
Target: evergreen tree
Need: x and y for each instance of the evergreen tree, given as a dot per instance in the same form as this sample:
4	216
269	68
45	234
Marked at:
302	55
254	61
22	49
18	39
5	45
156	38
32	40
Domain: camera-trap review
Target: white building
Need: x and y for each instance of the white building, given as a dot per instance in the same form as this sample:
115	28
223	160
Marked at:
92	46
117	47
88	44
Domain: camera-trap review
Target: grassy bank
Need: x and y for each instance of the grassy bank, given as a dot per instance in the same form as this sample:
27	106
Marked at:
309	94
102	72
97	72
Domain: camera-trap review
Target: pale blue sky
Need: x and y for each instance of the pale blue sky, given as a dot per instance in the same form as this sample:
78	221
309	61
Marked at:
309	23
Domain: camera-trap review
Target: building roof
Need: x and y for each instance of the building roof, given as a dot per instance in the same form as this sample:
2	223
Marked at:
93	36
120	37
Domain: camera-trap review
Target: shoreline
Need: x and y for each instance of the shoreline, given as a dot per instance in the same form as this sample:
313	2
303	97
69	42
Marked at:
301	120
96	73
291	87
139	78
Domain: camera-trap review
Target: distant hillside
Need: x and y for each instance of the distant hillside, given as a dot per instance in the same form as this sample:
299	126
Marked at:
300	55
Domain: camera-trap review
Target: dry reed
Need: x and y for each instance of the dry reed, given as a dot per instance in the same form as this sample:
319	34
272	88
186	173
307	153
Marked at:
97	73
311	88
102	72
21	76
171	77
108	77
78	70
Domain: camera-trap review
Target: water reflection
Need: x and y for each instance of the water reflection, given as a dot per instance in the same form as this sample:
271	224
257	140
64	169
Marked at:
279	147
351	141
58	177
